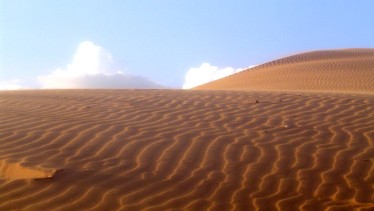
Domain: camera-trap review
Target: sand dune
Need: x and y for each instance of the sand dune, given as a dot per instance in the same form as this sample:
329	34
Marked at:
347	70
186	150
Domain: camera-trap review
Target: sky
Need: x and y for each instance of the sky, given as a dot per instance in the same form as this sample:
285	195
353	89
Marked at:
165	43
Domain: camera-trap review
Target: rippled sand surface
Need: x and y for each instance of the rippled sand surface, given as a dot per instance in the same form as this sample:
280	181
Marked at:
186	150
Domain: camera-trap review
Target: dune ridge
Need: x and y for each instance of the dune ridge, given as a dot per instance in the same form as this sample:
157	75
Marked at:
188	150
343	70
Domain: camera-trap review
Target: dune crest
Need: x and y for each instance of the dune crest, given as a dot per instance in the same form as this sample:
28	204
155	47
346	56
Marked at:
345	70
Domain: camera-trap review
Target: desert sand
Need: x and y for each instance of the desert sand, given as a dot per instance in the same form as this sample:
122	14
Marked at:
346	70
306	146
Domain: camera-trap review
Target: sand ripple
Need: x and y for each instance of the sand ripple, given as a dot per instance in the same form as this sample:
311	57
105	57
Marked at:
346	70
191	150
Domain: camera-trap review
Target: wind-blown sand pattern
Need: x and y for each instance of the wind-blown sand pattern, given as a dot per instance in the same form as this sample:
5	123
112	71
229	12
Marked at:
185	150
307	147
347	70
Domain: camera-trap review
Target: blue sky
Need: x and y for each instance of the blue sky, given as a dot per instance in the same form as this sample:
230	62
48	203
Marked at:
162	40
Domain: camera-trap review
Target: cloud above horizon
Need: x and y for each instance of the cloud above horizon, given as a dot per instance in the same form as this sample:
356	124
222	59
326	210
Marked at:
205	73
93	67
11	85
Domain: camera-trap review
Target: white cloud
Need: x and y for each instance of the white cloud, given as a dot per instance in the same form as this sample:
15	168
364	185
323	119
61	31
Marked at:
206	73
93	67
11	85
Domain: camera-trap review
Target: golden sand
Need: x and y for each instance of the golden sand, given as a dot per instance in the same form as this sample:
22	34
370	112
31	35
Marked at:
249	149
348	70
193	150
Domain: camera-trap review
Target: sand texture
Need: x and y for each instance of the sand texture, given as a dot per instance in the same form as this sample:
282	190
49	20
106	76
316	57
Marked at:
347	70
188	150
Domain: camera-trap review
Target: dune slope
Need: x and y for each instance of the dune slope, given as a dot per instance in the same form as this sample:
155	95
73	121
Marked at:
185	150
347	70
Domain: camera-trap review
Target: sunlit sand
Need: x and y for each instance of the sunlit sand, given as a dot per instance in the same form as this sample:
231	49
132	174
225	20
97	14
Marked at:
293	134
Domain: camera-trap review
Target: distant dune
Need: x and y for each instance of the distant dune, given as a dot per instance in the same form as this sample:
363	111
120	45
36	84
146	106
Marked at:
347	70
251	146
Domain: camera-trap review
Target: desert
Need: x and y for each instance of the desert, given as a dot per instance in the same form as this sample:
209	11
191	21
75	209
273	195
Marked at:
295	133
